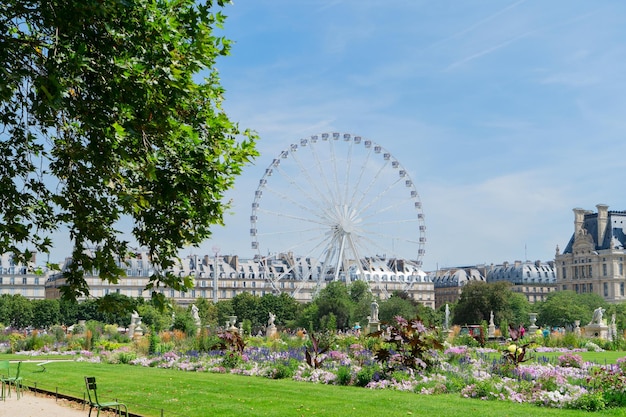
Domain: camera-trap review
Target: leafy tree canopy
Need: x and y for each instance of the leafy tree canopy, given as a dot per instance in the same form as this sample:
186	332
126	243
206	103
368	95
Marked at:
479	299
563	308
103	119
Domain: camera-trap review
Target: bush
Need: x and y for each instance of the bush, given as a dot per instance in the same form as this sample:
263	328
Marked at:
593	401
365	376
344	375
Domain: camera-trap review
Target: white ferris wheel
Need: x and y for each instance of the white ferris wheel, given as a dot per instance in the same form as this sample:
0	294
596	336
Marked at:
336	207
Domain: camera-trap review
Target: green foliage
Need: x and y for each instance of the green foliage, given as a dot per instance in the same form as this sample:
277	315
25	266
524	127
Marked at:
364	375
479	299
397	305
104	118
153	342
344	375
315	353
409	344
562	308
246	307
284	370
334	299
46	313
591	401
184	322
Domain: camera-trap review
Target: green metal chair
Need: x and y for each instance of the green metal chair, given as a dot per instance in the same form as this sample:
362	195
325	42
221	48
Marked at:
92	395
16	381
5	373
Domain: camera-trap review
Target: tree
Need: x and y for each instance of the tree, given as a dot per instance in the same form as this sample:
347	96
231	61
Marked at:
284	306
103	120
479	299
361	298
562	308
46	313
21	312
334	299
246	306
396	305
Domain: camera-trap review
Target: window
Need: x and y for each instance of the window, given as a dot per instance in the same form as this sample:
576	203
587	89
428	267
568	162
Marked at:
36	280
564	272
24	281
603	269
606	289
621	289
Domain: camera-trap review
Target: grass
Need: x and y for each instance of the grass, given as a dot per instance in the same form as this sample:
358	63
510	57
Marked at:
150	391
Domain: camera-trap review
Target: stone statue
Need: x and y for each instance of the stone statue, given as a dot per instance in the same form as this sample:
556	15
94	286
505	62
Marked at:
135	319
374	315
447	321
196	317
194	313
491	318
271	327
597	316
135	325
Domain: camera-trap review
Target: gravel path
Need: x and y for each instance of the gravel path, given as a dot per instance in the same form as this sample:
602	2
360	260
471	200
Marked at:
30	405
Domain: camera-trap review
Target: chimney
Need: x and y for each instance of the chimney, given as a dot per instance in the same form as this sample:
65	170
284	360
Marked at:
579	217
603	211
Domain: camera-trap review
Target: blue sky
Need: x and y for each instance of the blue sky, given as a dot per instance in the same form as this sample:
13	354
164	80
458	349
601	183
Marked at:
507	114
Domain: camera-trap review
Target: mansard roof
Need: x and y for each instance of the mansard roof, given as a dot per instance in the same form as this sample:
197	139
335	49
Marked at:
613	234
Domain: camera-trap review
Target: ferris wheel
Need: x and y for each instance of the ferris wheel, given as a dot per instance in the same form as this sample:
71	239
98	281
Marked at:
336	207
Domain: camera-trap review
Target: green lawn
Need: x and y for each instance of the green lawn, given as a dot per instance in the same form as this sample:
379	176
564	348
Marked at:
147	391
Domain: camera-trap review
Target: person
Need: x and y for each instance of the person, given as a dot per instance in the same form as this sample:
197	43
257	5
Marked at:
522	331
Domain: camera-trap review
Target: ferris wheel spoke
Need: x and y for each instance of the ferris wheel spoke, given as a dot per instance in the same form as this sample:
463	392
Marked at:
333	154
304	170
315	199
383	210
370	186
347	182
389	238
297	203
294	217
379	196
322	174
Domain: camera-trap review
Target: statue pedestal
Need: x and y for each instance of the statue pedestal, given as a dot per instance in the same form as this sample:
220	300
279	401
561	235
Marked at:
374	326
270	331
491	331
600	331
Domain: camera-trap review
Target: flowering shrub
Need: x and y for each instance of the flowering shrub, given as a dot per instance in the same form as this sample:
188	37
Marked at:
570	360
567	382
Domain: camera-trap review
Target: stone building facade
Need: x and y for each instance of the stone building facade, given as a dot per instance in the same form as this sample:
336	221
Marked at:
224	277
593	260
